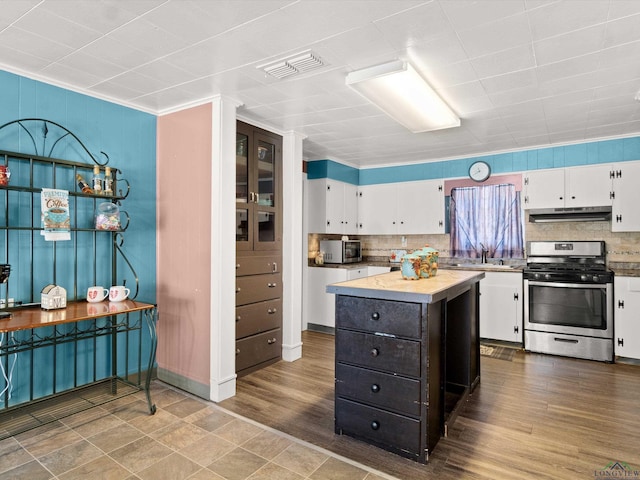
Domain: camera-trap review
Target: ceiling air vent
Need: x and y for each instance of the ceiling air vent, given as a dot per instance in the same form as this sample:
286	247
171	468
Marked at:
295	64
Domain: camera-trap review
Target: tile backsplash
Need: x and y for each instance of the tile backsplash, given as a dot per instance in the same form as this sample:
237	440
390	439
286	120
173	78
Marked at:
621	247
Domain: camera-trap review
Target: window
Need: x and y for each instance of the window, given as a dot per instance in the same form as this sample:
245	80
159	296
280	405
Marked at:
486	216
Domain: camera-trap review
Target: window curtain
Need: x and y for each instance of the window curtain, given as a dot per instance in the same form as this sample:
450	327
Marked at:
487	215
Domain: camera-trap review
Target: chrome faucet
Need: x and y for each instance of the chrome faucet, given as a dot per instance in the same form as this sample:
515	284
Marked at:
484	253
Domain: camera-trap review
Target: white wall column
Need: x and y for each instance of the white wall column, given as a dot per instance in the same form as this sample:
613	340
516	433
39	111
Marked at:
223	248
292	245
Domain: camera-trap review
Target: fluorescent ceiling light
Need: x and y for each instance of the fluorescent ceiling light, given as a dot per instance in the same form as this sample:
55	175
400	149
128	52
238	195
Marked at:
399	90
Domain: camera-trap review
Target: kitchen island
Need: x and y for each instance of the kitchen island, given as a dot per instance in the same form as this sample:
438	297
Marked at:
407	355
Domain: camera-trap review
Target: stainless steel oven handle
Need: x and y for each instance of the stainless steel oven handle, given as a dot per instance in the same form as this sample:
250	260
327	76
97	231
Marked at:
567	285
565	340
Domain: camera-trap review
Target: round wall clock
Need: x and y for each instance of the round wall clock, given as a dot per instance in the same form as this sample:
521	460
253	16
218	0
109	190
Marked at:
479	171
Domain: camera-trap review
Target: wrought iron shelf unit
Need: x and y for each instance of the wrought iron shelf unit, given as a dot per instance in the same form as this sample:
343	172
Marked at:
104	341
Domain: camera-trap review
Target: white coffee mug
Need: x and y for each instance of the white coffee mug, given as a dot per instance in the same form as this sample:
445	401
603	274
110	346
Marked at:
96	294
118	293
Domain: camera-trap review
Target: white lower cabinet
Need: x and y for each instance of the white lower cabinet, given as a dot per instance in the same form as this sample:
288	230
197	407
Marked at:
627	317
320	306
501	306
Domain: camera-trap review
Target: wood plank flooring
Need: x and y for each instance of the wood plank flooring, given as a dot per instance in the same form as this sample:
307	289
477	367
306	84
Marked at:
537	416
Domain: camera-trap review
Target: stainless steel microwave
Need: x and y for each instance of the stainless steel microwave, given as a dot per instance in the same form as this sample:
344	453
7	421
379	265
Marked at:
341	251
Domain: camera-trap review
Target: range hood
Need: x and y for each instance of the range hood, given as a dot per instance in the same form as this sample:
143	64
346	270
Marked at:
577	214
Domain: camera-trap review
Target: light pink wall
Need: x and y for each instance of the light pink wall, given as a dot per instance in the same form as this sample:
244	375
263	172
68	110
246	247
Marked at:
184	220
515	179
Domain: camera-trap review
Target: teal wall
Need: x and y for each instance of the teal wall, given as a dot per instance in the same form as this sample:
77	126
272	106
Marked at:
128	136
605	151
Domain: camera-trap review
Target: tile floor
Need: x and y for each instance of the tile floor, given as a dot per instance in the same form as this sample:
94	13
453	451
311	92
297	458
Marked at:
187	438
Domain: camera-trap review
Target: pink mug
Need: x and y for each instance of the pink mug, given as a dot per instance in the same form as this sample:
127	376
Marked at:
5	174
96	294
118	293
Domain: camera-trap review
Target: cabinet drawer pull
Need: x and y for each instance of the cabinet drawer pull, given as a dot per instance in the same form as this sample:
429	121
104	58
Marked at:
237	351
271	341
237	266
375	425
272	285
237	289
271	311
375	388
375	352
238	318
274	267
375	316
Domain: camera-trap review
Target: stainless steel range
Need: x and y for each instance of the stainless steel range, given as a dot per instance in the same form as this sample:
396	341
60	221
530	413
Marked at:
568	300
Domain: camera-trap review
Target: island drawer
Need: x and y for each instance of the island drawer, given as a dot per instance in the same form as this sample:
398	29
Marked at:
385	428
256	288
258	317
379	389
379	352
384	316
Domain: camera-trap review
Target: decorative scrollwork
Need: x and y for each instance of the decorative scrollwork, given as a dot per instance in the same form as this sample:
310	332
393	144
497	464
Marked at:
44	133
118	241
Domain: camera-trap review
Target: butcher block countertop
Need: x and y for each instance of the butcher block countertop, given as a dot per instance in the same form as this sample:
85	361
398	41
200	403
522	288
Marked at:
391	286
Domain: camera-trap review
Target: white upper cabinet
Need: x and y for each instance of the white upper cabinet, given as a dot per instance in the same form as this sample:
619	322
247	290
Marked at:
333	206
544	189
585	186
626	197
432	199
401	208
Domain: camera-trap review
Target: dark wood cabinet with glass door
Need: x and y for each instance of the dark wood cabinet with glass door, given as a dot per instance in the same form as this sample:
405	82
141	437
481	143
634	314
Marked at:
258	189
258	248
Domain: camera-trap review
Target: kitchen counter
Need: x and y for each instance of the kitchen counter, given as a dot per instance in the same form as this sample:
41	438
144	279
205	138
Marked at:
444	264
625	269
481	267
391	286
407	357
364	263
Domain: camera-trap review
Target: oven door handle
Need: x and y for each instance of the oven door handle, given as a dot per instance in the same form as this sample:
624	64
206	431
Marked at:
567	285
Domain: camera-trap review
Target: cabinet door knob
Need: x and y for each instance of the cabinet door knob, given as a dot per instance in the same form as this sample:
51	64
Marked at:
271	341
271	311
237	289
237	351
238	318
375	388
375	425
375	352
237	266
272	285
375	316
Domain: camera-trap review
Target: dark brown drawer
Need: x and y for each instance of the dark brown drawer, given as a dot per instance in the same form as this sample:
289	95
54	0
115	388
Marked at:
255	265
399	394
387	354
257	288
394	318
258	317
258	348
384	428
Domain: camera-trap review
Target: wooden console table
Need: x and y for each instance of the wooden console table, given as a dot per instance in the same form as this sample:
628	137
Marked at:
32	328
